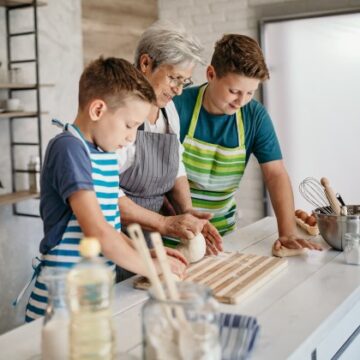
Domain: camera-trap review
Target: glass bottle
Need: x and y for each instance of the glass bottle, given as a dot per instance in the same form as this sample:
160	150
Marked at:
181	330
15	75
352	248
34	174
55	330
89	294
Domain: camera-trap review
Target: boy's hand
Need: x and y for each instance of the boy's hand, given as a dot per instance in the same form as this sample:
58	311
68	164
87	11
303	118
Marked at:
177	267
172	253
293	242
177	262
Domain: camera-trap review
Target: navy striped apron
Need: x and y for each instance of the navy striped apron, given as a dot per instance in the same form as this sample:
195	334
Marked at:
105	177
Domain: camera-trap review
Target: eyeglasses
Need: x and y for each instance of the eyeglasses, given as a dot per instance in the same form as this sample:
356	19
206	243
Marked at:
173	81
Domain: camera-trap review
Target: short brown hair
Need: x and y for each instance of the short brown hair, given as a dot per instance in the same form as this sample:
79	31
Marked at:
113	80
239	54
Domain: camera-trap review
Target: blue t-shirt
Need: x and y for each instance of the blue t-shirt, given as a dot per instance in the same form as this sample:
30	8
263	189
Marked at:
66	169
260	136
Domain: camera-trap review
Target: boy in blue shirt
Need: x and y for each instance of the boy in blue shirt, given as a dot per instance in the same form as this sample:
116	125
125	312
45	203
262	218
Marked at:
79	180
221	125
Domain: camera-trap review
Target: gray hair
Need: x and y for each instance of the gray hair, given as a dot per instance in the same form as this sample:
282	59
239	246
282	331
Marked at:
167	43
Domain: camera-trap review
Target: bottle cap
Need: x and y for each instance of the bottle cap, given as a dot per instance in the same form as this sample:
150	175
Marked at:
89	247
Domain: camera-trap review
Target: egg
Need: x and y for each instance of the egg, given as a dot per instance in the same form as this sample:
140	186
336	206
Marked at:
298	212
311	220
303	216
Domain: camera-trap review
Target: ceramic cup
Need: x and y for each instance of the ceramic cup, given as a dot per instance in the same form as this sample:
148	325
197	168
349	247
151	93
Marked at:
12	104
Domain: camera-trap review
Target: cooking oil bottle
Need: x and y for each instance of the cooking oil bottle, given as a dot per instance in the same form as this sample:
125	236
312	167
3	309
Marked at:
89	293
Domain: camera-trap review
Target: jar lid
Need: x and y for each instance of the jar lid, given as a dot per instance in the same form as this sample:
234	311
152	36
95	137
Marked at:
89	247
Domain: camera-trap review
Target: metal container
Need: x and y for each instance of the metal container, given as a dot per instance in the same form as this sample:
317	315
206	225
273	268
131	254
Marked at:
333	227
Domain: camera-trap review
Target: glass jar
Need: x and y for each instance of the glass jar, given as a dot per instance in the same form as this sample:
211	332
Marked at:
352	248
185	329
55	330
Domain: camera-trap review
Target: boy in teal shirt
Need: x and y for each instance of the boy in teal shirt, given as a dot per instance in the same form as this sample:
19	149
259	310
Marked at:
221	126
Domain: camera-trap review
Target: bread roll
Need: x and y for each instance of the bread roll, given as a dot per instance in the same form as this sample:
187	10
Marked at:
194	249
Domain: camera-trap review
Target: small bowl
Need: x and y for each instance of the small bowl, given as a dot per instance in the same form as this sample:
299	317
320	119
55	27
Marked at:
333	227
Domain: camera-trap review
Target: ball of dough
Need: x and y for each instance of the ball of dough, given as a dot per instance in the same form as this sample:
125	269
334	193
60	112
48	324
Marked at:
194	249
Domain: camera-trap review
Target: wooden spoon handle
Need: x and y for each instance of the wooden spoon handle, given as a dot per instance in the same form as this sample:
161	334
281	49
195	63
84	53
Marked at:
330	194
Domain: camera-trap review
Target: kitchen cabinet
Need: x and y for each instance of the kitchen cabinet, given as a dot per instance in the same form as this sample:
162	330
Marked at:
13	88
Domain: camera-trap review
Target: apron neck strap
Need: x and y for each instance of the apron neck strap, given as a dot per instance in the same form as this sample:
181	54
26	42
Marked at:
73	130
163	111
196	112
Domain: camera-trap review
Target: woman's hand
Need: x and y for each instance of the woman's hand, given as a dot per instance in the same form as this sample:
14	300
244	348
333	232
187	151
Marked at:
293	242
212	237
184	226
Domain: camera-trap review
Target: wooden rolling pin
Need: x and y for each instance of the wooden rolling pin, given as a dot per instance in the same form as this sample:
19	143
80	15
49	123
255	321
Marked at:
329	192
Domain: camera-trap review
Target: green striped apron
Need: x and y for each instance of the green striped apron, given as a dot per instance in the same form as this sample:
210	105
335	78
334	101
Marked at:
214	172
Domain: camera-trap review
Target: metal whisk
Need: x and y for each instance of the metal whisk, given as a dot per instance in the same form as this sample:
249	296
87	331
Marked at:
313	192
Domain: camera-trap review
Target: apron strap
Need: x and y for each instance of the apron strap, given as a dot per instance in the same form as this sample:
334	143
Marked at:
196	112
163	111
72	130
37	267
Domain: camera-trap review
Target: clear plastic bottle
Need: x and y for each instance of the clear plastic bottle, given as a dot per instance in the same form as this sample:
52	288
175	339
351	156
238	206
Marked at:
55	330
89	293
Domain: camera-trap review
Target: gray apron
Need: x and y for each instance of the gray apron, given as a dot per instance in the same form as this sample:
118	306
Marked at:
152	174
154	170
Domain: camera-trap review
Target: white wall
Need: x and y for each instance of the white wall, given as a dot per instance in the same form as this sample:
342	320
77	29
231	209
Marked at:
313	99
60	45
209	20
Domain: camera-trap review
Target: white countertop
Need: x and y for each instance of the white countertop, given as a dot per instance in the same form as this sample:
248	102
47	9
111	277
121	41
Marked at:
313	304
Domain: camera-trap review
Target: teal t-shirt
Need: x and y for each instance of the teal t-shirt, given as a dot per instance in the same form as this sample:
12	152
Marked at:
260	136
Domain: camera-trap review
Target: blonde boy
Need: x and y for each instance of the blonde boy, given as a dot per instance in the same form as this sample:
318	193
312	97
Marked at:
80	182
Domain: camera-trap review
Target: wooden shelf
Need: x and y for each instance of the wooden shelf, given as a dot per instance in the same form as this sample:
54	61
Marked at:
12	198
15	86
12	114
21	2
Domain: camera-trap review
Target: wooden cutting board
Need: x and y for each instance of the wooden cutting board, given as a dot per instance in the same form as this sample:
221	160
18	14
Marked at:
232	276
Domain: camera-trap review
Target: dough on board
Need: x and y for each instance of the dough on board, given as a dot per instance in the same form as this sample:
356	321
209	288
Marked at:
284	252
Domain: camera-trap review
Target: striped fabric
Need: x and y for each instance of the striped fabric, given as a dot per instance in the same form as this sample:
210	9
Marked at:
154	170
66	254
238	334
214	172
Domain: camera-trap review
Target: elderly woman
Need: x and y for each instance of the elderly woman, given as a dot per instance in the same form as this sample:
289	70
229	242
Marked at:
151	170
